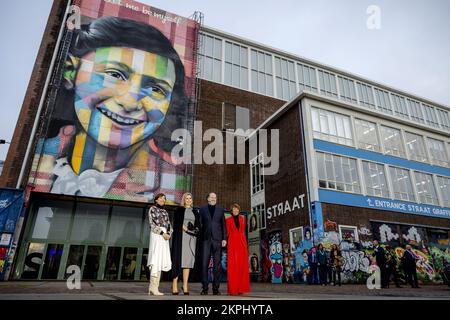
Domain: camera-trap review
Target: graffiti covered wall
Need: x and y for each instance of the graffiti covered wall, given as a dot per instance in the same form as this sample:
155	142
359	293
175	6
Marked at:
124	82
298	263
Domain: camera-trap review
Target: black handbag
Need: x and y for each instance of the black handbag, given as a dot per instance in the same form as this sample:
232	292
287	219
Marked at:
193	230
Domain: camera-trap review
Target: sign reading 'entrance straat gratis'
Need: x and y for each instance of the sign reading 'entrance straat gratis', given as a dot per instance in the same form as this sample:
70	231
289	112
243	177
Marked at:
355	200
286	207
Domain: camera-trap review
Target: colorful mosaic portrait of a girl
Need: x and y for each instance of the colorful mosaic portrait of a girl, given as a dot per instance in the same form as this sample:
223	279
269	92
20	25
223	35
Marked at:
110	132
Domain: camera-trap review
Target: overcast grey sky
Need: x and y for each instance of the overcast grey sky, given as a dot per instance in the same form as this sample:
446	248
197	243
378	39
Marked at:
410	52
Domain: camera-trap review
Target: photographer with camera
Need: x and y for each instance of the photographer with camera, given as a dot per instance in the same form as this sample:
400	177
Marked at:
187	226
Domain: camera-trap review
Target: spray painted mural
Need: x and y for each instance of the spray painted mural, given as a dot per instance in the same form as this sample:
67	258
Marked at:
298	265
127	80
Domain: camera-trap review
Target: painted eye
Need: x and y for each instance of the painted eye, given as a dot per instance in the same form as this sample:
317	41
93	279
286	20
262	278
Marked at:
158	92
279	248
116	74
273	249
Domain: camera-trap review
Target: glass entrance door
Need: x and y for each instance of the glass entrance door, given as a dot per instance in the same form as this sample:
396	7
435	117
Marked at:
91	263
52	261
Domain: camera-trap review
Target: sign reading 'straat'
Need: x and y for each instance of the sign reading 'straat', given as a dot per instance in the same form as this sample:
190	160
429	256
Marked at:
286	207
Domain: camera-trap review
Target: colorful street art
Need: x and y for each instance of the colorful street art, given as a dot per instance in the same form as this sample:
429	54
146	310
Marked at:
127	82
297	264
276	257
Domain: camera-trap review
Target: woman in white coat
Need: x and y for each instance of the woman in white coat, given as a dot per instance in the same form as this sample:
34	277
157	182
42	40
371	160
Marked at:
159	249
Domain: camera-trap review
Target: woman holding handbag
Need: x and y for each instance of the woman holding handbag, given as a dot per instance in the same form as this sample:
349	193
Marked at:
186	226
159	248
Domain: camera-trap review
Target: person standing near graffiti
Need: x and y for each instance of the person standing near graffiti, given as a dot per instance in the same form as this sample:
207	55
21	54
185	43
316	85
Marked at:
237	267
337	261
186	226
380	257
322	264
214	237
409	260
159	250
312	261
391	268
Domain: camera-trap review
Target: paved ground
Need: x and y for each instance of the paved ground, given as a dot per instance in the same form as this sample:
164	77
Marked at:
33	290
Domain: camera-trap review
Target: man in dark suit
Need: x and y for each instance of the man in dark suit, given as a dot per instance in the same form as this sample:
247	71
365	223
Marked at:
214	237
409	260
380	257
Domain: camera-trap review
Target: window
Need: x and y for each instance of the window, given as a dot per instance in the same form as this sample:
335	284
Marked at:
416	111
210	58
331	126
348	233
307	77
236	65
327	83
52	220
285	78
400	106
262	74
366	133
365	95
338	173
416	147
375	179
443	119
392	141
260	211
437	152
257	175
235	117
430	116
90	222
295	237
347	89
444	187
401	184
425	188
383	103
125	226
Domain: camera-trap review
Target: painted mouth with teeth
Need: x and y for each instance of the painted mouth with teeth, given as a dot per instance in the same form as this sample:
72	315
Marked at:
118	119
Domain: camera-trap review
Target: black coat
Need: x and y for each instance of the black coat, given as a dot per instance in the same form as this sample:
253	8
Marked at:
213	228
409	261
177	238
380	257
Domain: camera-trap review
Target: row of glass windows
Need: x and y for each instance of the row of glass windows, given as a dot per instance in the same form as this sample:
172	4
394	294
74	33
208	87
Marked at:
289	77
341	173
337	128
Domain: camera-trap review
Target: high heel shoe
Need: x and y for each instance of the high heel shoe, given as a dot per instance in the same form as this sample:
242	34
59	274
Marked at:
175	293
186	293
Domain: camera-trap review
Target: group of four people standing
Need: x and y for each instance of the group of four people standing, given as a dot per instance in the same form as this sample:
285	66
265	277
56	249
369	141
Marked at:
214	233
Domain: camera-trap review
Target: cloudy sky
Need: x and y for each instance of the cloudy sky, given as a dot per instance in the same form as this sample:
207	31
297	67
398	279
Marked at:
411	50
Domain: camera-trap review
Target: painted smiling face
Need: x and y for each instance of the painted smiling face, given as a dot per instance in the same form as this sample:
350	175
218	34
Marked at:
122	95
276	256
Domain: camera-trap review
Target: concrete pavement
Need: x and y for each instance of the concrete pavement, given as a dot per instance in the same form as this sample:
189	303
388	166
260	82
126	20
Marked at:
57	290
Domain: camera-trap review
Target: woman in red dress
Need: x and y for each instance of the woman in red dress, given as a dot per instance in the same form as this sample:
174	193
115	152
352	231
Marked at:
237	264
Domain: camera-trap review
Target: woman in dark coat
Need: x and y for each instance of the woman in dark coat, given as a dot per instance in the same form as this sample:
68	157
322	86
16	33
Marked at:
237	264
186	228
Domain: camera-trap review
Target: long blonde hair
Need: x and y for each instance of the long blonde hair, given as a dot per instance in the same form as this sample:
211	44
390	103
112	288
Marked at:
183	199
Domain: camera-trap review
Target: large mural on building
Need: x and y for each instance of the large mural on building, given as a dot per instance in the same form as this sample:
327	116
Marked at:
125	80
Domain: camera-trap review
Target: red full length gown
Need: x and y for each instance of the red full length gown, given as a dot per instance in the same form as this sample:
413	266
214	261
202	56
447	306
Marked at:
237	257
